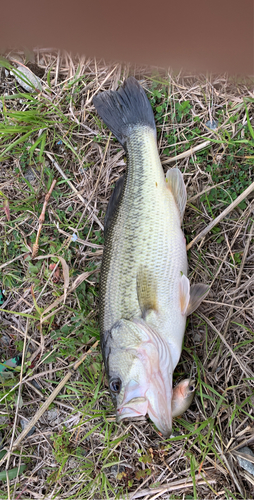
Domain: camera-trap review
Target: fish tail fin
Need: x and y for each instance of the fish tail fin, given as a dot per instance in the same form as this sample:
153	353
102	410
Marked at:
124	109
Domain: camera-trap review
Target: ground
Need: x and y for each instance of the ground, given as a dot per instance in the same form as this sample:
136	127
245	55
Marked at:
49	306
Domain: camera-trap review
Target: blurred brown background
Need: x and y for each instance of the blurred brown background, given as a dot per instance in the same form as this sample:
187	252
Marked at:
199	35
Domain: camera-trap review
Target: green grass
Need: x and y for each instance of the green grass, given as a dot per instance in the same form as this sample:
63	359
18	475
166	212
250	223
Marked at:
87	452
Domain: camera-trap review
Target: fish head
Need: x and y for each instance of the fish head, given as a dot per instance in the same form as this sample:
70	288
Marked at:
139	367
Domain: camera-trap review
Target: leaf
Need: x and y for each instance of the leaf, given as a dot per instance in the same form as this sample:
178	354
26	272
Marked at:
2	297
40	139
42	147
2	194
2	453
49	358
121	475
142	473
19	401
38	309
249	123
17	471
139	474
27	79
6	208
18	313
146	459
12	145
65	267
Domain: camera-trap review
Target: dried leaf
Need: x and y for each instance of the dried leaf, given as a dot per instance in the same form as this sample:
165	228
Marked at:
19	401
245	457
56	273
27	79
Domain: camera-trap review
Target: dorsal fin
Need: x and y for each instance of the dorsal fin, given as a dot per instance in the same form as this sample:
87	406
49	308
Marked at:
113	203
175	183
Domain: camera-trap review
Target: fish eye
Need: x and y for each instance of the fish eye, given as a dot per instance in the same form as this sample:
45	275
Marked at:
115	385
191	388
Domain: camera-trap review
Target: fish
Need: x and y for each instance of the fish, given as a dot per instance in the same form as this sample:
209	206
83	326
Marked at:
183	394
145	294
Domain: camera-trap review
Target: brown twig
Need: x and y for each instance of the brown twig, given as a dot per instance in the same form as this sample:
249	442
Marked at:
221	216
187	153
79	240
173	486
209	188
13	260
42	219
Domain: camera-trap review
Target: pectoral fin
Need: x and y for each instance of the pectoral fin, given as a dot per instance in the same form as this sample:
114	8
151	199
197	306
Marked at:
184	293
175	183
197	293
146	291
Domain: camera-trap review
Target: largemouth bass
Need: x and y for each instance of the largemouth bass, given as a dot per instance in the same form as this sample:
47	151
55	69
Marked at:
145	294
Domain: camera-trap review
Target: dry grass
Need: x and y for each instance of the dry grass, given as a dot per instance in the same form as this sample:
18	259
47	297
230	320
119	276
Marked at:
77	450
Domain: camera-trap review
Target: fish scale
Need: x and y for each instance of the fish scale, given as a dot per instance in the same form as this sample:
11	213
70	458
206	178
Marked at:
146	233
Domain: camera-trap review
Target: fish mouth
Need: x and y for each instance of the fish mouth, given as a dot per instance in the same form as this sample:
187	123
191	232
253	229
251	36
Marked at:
155	405
136	407
153	395
159	409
